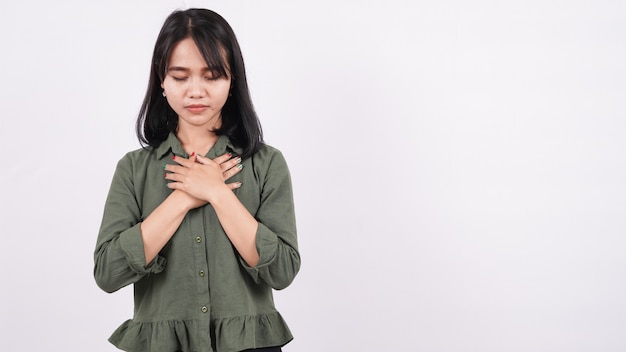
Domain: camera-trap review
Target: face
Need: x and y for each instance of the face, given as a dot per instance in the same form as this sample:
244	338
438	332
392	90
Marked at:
191	90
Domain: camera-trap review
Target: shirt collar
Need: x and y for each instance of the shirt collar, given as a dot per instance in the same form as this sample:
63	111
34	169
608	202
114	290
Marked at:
172	145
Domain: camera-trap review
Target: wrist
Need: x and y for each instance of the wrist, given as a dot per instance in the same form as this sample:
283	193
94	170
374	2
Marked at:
219	194
182	201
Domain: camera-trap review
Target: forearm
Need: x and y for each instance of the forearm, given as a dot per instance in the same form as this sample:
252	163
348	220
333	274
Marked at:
240	226
161	224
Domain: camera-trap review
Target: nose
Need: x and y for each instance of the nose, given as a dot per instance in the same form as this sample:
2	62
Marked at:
196	88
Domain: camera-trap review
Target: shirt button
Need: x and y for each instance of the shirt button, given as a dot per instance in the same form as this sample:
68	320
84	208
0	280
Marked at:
204	309
198	239
201	273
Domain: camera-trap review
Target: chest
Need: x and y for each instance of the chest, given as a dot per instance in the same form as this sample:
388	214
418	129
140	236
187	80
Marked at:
150	188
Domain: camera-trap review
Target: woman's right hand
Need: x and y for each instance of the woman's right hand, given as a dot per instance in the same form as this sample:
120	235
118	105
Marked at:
229	168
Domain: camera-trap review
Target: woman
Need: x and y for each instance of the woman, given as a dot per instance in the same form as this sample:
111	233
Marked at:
203	254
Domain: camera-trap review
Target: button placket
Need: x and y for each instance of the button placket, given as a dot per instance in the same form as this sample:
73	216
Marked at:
196	228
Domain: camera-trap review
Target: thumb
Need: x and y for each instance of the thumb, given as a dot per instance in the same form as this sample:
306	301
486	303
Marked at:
202	160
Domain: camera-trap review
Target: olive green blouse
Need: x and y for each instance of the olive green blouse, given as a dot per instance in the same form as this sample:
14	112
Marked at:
198	294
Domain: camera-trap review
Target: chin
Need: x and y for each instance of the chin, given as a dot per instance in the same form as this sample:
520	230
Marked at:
197	121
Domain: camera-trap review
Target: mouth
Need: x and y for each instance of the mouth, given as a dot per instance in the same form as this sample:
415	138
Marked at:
196	108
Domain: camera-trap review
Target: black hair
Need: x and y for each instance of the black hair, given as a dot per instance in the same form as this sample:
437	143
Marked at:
219	47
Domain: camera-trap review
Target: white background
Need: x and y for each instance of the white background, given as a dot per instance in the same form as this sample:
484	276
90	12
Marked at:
459	167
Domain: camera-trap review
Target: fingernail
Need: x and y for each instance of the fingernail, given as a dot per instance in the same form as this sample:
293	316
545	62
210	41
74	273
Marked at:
164	166
192	154
173	157
239	166
230	155
238	184
238	159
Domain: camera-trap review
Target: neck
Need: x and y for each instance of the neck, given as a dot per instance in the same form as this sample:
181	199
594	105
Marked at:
196	140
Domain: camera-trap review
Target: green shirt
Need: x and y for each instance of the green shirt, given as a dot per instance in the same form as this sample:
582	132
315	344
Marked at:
198	294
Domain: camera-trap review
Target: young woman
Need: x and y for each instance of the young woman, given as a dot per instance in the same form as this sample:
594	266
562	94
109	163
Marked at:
201	219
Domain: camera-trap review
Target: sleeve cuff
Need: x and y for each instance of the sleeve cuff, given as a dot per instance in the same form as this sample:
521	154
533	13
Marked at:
266	245
132	246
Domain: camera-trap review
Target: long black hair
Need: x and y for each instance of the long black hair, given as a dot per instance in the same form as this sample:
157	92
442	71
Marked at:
219	47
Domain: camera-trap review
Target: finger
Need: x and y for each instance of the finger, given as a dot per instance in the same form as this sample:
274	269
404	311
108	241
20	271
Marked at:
205	161
183	161
177	186
176	169
232	171
174	177
222	158
233	186
227	165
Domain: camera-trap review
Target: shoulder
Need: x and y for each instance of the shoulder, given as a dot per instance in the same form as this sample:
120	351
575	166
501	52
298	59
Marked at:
139	154
136	159
270	168
269	164
268	155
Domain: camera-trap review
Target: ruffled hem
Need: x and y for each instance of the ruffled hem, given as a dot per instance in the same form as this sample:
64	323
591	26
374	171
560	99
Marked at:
162	336
231	334
245	332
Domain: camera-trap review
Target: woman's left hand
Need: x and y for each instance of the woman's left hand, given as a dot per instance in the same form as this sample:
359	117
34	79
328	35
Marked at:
202	177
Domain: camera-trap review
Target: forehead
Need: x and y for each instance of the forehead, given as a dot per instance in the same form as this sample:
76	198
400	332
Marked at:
186	54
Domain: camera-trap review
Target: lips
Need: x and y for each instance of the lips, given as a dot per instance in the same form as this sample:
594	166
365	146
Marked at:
196	108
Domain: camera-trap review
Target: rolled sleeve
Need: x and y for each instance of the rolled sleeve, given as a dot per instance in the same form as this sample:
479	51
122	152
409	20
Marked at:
121	261
131	245
276	240
119	258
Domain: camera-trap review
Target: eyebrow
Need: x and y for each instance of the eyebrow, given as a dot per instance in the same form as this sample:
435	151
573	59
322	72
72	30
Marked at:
185	69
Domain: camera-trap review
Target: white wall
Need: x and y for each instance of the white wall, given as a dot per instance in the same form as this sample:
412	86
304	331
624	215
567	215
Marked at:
458	166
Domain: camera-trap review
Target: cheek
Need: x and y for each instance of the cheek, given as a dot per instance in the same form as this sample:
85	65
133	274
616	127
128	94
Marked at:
227	85
220	93
170	85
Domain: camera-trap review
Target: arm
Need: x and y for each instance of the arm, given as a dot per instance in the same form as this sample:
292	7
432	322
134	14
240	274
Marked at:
266	242
162	223
202	179
127	248
238	224
119	258
276	237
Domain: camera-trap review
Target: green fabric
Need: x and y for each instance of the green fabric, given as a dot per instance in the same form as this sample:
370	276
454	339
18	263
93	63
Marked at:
198	294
